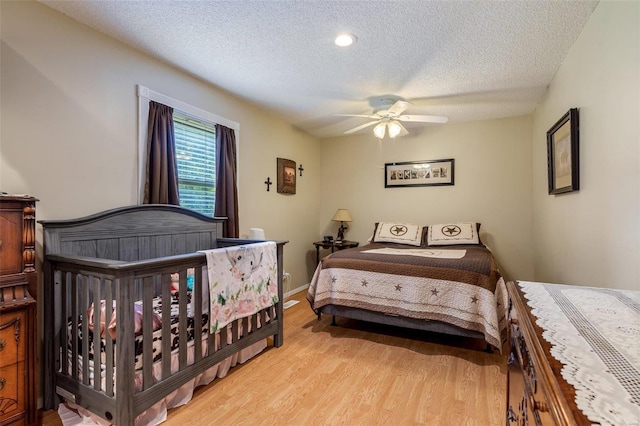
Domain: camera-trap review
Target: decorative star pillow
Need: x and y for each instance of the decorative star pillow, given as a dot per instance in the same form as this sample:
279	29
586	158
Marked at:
453	233
401	233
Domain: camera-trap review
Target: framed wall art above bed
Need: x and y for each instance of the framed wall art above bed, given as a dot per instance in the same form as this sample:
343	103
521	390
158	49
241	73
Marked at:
419	173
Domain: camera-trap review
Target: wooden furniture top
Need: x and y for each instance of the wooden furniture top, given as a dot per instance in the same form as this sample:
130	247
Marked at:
560	394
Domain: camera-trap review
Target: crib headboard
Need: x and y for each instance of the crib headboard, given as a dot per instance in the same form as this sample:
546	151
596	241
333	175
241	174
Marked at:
133	233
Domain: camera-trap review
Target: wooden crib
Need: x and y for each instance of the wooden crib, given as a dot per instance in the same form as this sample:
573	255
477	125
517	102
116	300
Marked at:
125	258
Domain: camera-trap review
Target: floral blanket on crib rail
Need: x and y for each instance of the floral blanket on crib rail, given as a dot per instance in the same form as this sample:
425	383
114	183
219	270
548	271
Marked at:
242	281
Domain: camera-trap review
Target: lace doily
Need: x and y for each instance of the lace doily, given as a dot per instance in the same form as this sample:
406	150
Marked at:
595	334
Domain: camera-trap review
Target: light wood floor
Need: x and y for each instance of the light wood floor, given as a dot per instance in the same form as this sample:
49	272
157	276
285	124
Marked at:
352	374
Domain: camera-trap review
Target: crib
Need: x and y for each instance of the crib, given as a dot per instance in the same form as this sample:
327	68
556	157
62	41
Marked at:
128	261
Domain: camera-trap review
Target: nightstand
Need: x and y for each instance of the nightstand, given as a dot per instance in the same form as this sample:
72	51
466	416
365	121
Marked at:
333	245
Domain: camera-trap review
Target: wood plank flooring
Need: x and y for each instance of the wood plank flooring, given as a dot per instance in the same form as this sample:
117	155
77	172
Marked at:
355	373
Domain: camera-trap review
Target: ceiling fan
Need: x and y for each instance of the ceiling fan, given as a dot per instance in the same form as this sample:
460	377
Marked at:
388	116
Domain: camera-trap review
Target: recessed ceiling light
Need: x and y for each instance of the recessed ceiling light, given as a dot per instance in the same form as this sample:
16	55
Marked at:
345	39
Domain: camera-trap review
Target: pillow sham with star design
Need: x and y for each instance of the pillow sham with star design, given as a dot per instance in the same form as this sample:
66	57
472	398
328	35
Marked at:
453	233
401	233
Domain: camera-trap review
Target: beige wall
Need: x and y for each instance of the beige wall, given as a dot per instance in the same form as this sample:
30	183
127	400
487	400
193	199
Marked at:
592	237
492	184
69	129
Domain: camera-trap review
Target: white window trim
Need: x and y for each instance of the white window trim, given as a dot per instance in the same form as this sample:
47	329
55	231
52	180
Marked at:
144	96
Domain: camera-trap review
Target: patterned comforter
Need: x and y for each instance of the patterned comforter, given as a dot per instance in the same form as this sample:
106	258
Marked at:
430	284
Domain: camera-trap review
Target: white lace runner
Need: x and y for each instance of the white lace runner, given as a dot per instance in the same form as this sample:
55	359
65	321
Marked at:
595	334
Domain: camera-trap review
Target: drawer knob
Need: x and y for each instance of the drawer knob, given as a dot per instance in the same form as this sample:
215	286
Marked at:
537	405
2	382
540	406
2	344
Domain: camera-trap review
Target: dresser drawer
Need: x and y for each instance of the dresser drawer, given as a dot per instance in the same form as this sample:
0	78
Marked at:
526	401
11	242
12	391
12	337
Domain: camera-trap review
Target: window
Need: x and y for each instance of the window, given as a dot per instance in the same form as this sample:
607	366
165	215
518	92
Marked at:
195	134
196	158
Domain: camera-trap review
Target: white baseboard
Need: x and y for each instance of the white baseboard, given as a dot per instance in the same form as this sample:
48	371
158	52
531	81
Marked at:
296	290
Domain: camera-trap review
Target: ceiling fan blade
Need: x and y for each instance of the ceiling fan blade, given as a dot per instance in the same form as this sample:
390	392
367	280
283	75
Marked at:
364	126
357	115
404	131
398	108
423	118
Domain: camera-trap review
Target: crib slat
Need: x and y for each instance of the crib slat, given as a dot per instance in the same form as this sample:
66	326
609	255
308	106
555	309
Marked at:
211	339
254	323
166	326
108	297
235	327
223	339
147	332
73	279
84	305
125	385
64	314
278	311
196	303
95	284
182	321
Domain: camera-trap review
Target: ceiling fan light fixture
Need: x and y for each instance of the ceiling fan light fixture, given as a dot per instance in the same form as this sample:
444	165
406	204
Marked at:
345	39
391	116
379	130
394	129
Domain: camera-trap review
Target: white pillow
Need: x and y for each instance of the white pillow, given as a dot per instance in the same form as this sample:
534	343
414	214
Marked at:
453	233
401	233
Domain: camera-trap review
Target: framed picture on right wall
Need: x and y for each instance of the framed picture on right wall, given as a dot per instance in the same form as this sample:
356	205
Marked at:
563	154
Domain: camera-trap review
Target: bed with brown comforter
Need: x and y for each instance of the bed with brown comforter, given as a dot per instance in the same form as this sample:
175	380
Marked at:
449	289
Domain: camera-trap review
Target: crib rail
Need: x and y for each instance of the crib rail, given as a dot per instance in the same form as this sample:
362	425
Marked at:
74	284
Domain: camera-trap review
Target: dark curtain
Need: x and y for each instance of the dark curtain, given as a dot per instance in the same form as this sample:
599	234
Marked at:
161	181
226	180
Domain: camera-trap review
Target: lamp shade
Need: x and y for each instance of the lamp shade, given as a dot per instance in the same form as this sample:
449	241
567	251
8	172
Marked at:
342	215
379	130
394	129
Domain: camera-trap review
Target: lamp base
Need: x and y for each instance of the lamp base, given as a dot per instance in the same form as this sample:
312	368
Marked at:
341	230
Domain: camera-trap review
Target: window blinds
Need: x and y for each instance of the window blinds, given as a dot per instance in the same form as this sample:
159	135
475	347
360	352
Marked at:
196	158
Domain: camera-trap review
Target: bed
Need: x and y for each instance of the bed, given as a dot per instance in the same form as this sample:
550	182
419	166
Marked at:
438	278
129	325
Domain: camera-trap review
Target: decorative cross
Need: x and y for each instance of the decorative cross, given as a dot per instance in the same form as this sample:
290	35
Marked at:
301	169
268	183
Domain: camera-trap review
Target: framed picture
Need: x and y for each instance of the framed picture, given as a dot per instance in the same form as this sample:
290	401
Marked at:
419	173
563	154
286	176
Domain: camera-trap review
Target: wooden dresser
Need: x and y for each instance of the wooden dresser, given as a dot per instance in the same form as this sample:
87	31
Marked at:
537	393
18	330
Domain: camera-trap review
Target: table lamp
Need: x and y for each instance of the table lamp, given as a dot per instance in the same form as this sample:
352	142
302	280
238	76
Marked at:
342	216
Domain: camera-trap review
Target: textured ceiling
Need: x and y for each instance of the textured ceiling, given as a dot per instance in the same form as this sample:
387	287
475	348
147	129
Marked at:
468	60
